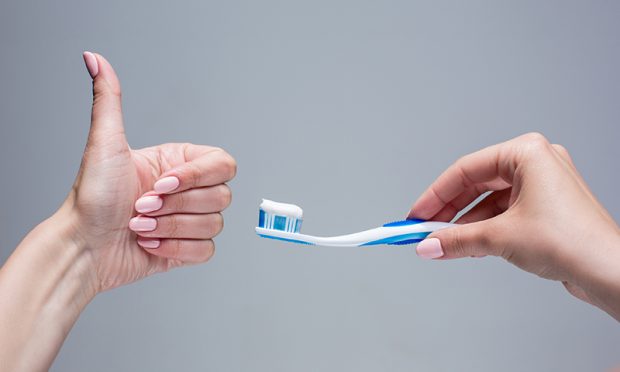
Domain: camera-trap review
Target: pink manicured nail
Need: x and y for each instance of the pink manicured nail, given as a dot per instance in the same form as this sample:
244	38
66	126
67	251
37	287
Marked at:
149	243
429	248
91	64
166	184
148	204
143	224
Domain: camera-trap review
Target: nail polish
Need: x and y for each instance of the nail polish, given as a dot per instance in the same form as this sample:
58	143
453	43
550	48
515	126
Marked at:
143	224
91	64
149	243
166	184
148	204
429	248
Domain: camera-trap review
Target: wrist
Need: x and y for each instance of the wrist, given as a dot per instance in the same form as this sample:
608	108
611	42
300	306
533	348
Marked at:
49	279
72	255
56	254
601	280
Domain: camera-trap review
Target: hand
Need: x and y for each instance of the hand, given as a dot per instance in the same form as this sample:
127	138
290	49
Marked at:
179	189
540	216
90	244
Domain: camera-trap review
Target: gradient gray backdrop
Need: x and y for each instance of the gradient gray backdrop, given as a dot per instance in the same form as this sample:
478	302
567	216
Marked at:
350	109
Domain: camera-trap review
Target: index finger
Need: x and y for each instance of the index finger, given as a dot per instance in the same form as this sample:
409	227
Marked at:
206	167
488	166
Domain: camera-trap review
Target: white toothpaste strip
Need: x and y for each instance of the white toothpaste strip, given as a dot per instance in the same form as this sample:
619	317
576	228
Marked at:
292	210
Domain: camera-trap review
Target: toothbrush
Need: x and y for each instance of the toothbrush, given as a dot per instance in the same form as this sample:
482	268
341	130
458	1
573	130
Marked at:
283	222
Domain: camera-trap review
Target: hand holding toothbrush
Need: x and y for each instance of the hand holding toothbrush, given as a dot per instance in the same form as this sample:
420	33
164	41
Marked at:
540	216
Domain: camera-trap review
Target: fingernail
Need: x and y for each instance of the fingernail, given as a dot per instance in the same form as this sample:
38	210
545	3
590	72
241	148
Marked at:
166	184
429	248
149	243
148	204
91	64
143	224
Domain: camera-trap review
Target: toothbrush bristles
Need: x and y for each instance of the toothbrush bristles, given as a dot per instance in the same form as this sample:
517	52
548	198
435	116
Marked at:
278	222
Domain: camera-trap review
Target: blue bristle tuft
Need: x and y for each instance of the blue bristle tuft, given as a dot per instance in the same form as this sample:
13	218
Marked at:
280	223
261	218
277	222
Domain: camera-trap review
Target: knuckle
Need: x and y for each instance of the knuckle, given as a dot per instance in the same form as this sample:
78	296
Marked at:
214	224
534	137
229	164
209	251
218	225
457	246
175	249
172	225
225	196
534	144
491	239
561	150
536	140
107	92
460	166
193	173
461	160
180	202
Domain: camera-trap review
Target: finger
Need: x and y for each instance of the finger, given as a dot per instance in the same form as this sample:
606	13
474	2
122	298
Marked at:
495	164
474	239
182	226
494	204
453	207
187	251
203	200
107	133
578	292
566	158
206	166
478	167
563	153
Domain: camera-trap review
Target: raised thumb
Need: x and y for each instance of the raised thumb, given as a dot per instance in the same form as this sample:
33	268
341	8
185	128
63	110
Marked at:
107	132
468	240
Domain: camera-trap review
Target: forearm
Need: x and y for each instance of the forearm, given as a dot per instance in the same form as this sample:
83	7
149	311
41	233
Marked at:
601	280
44	286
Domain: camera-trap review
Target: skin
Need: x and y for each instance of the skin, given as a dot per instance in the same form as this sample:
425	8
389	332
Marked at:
541	216
87	246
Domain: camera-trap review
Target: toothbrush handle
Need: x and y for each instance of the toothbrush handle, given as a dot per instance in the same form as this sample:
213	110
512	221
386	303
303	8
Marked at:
407	231
393	233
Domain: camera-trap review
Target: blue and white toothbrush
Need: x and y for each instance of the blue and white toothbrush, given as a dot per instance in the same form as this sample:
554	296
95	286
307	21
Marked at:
283	222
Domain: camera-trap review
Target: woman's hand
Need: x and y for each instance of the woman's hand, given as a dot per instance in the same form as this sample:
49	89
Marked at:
178	189
541	216
130	213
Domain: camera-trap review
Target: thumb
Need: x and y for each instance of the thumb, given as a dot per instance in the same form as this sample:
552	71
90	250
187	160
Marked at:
468	240
107	132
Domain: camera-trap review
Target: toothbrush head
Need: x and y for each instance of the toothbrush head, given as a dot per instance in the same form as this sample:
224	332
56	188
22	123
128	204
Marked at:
280	216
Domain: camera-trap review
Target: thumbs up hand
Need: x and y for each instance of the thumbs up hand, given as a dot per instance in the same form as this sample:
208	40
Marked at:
143	211
130	213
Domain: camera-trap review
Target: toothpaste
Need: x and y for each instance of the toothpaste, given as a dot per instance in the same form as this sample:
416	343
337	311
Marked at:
292	210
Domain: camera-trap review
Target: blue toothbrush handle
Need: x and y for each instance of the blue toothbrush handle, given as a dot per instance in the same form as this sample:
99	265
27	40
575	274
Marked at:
412	237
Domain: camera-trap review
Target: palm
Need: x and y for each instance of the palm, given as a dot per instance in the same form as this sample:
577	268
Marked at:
110	185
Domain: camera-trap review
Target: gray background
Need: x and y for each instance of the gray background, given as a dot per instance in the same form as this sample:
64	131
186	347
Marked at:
350	109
